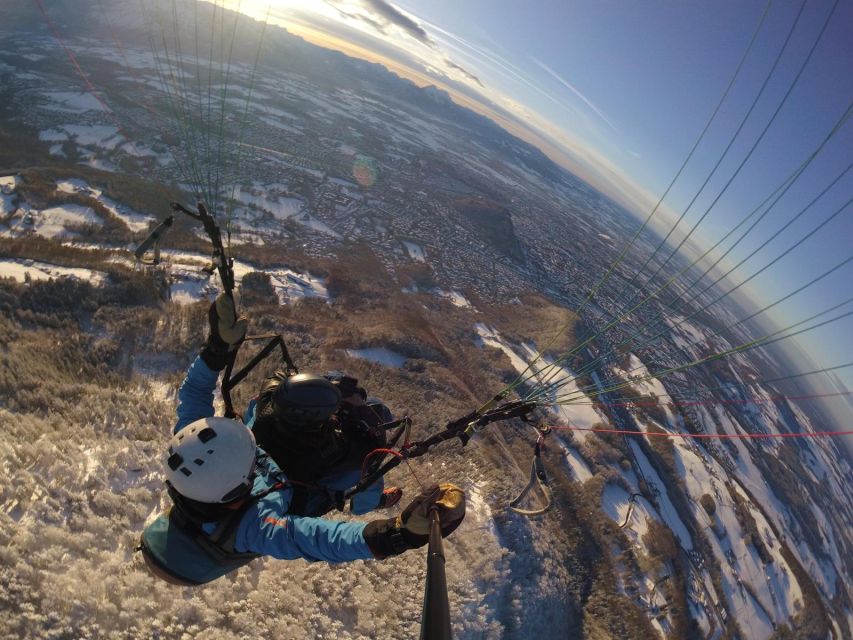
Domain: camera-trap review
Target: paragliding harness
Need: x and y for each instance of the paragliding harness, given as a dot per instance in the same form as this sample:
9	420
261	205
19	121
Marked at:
176	548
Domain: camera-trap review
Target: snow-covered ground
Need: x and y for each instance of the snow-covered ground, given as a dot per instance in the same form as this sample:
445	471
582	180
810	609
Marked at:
190	284
774	592
666	509
632	512
260	202
52	222
8	184
379	355
94	136
581	413
644	382
72	102
415	251
750	477
18	269
477	508
759	595
686	335
455	297
134	220
579	469
8	199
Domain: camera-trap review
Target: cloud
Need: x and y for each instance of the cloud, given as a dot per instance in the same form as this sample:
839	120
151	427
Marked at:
463	71
498	64
568	86
380	14
424	66
387	14
361	17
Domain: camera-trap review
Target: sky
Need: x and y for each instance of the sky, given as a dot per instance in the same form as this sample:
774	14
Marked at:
619	93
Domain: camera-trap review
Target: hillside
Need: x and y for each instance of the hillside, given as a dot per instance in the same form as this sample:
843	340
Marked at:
389	233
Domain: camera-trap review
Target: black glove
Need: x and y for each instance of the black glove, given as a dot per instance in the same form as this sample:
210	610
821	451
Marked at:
410	530
227	331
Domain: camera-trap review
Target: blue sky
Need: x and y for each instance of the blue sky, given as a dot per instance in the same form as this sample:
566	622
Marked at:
618	92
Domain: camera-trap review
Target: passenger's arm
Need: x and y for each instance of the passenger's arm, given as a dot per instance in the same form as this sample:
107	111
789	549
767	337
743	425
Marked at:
227	329
195	397
290	537
266	531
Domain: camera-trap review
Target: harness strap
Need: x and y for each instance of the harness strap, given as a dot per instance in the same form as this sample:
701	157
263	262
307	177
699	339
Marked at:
231	380
153	240
537	477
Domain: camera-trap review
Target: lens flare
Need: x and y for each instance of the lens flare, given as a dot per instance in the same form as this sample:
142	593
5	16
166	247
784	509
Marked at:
364	171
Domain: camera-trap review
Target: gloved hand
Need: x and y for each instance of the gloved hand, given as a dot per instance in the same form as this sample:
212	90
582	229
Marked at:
410	529
227	330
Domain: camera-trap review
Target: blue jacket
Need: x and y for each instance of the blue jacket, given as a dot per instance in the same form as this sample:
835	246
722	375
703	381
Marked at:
266	528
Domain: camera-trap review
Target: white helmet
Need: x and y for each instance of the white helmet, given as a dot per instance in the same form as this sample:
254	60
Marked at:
212	460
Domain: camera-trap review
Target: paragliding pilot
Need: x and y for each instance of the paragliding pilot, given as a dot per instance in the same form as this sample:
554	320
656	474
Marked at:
232	502
318	430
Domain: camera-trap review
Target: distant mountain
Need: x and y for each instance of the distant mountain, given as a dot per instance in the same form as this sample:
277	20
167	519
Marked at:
134	22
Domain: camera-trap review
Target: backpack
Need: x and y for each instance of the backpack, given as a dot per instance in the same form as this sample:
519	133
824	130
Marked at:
176	548
339	445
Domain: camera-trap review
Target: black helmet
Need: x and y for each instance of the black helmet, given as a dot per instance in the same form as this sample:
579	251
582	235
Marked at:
306	401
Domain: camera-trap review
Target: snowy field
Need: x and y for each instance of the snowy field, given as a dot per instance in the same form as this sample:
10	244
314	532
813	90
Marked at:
378	355
21	269
580	414
190	284
134	220
53	222
415	251
263	206
644	382
8	184
456	298
57	222
761	595
579	470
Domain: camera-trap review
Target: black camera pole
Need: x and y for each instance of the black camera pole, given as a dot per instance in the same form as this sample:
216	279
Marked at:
435	621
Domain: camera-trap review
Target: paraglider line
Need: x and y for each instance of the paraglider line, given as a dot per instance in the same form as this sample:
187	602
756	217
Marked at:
693	403
710	436
89	86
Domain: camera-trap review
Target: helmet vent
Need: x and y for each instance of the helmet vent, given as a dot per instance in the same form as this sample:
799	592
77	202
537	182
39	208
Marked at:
209	451
186	471
199	461
206	434
175	460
